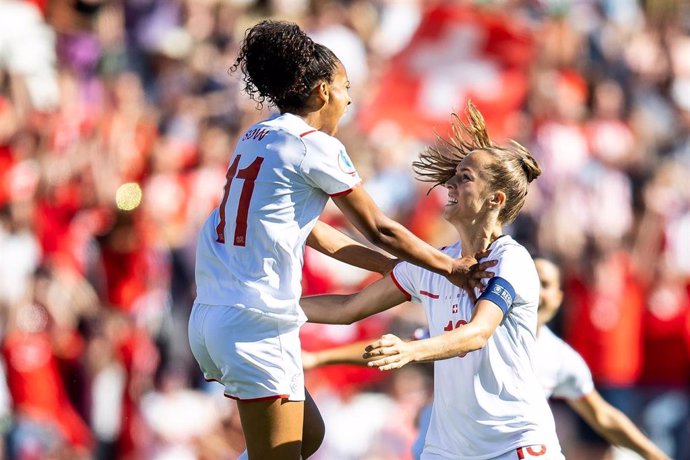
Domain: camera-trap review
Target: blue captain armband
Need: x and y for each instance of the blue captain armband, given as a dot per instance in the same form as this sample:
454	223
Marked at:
500	292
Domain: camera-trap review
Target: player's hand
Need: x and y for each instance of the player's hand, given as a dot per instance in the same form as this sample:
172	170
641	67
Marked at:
389	352
469	273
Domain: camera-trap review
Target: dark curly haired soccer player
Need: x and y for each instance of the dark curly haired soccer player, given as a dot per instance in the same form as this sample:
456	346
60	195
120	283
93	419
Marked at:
244	326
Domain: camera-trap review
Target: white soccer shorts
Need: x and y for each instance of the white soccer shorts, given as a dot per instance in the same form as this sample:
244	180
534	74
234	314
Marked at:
535	452
255	356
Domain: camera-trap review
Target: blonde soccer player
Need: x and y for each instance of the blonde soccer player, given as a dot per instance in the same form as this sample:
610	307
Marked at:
561	371
487	400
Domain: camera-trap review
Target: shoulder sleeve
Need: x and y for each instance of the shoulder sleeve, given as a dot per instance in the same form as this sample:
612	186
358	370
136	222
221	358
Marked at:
575	379
405	276
514	277
326	165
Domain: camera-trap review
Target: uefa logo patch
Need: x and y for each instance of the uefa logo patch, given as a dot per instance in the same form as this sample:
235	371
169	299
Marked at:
501	292
345	164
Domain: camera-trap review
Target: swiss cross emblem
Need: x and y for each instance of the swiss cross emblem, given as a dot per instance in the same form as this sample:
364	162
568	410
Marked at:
455	308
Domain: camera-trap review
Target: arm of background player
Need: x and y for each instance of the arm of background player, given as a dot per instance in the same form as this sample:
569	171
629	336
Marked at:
344	354
360	209
615	426
390	352
334	243
346	309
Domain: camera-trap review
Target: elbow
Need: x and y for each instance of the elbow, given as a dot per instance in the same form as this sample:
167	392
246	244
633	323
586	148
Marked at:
376	238
382	236
375	235
481	339
479	344
605	420
350	312
379	230
353	318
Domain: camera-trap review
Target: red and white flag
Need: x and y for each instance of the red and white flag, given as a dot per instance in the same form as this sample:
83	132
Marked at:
458	52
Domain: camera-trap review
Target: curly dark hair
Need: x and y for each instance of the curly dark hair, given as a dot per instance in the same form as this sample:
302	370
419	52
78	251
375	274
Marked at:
512	172
282	65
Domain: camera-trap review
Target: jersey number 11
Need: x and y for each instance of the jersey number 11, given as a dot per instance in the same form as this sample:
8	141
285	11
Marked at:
249	175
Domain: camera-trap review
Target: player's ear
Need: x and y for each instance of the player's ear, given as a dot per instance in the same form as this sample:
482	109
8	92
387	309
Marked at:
319	96
497	199
323	92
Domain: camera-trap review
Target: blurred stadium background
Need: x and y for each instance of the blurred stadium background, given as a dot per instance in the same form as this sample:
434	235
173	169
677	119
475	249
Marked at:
117	118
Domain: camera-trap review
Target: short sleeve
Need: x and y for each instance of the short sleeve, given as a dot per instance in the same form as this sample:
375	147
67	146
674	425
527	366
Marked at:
514	265
405	277
326	165
575	378
515	280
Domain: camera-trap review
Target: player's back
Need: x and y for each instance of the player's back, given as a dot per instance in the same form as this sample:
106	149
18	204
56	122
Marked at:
250	249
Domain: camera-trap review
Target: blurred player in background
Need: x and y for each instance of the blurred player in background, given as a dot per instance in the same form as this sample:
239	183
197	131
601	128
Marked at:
487	401
564	374
244	326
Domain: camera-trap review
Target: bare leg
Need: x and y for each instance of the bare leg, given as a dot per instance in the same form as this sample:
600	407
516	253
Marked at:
313	430
272	428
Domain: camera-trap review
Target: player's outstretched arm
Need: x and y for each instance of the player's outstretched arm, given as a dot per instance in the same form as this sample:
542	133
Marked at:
346	309
350	353
390	352
389	235
615	426
334	243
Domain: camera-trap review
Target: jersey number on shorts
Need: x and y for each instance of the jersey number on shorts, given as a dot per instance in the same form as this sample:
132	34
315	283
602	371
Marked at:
249	175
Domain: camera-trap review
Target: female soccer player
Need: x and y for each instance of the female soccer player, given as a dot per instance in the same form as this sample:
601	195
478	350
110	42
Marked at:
564	374
487	400
561	371
244	326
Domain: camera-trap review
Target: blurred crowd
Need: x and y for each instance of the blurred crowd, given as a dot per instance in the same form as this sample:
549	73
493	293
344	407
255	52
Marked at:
117	119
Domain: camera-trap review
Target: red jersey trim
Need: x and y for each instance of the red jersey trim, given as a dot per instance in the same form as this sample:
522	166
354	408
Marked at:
306	133
429	294
397	284
345	192
265	398
579	398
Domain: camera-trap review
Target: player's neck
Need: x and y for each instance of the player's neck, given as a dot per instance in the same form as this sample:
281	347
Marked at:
311	113
476	238
313	119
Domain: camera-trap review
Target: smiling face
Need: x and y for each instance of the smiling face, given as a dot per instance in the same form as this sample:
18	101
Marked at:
468	189
338	100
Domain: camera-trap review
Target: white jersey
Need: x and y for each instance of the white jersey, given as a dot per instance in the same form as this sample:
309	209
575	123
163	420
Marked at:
561	370
250	250
487	402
